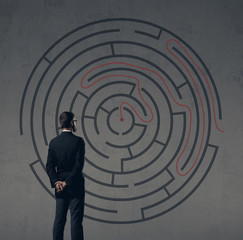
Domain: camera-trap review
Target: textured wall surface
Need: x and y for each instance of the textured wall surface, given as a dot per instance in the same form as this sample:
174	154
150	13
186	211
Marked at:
182	53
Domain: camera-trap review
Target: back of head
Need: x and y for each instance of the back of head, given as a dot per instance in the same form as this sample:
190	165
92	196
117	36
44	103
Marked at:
65	119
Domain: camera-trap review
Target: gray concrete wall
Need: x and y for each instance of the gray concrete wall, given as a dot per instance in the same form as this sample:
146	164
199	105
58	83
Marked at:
122	202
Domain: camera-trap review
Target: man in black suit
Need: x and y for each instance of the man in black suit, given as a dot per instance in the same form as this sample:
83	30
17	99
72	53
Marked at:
64	167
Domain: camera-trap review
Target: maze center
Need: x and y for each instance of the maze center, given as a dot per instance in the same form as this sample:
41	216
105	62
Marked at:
121	127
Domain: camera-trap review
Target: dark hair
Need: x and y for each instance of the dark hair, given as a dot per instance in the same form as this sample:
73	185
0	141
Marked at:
65	119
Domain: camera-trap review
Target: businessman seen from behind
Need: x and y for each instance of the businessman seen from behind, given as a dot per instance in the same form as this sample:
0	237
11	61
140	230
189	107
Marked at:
64	167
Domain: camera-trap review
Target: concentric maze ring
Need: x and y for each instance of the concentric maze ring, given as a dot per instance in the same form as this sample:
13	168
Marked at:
147	106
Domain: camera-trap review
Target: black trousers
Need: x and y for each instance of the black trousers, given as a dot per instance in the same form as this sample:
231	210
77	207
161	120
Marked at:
76	206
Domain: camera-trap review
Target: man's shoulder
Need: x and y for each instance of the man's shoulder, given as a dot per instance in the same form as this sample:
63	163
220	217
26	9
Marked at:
61	136
78	138
55	139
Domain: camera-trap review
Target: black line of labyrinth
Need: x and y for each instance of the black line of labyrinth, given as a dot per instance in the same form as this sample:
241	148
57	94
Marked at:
125	159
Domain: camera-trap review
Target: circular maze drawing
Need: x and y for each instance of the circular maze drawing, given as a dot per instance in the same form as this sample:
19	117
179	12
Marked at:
147	108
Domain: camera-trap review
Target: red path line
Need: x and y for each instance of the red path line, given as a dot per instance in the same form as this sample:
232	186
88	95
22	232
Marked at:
152	116
199	98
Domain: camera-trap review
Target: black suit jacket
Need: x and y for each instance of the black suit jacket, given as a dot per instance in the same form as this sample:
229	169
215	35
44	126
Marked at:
65	162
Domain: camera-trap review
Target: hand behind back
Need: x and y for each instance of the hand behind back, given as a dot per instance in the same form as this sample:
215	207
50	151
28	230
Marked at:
60	185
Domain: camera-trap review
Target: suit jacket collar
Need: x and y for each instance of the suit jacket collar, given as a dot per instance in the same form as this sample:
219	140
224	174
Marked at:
67	132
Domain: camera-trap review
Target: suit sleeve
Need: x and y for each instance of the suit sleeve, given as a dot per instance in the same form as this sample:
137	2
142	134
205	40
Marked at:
51	168
79	163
